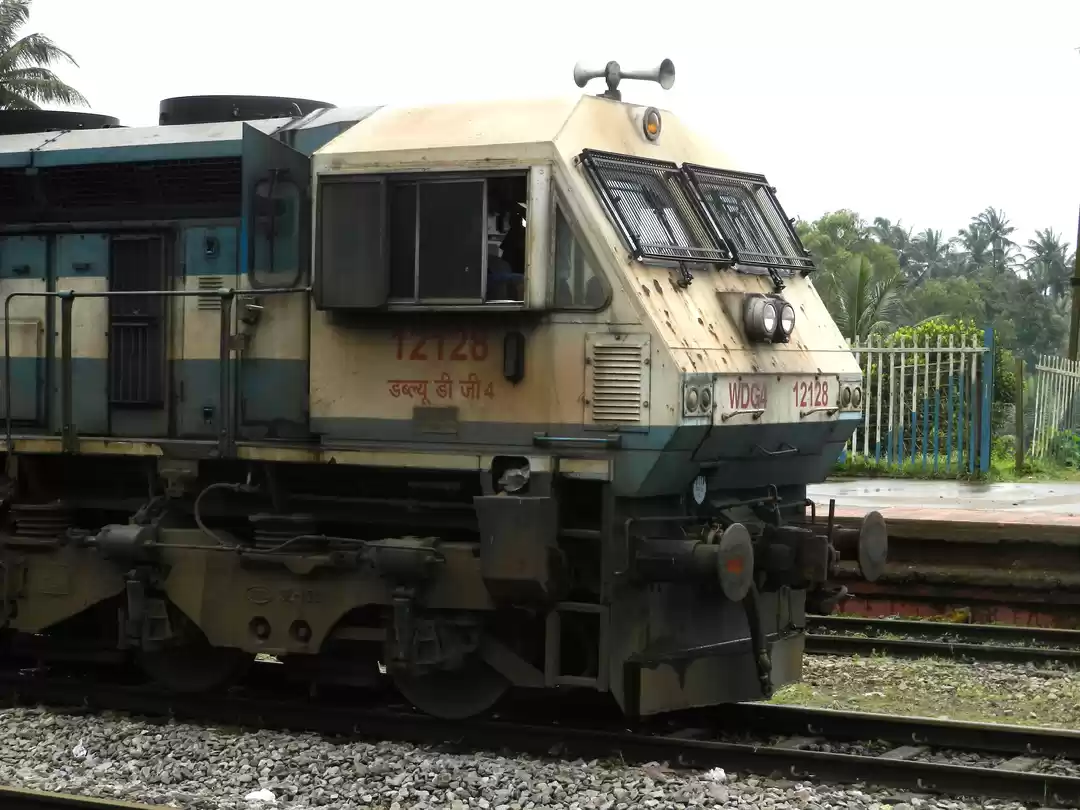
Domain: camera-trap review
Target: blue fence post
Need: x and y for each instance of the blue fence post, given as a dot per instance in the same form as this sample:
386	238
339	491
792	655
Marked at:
987	399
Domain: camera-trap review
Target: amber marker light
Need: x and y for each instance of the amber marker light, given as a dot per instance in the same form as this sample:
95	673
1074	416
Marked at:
652	123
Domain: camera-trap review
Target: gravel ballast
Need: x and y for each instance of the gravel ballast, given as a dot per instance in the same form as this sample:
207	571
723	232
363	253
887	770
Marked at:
204	768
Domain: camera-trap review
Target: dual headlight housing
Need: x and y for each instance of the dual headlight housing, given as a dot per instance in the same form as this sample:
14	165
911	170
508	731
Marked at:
851	395
768	318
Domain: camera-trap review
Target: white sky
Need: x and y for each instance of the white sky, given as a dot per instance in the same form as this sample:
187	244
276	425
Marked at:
924	111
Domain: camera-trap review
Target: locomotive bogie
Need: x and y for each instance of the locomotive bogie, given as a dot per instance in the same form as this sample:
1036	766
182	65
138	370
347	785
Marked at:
484	396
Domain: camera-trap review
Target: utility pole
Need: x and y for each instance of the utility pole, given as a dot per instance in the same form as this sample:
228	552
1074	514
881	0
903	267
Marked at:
1074	327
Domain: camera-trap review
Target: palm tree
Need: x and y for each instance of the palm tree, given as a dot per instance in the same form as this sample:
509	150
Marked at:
895	236
976	242
997	227
25	77
1049	267
863	298
931	252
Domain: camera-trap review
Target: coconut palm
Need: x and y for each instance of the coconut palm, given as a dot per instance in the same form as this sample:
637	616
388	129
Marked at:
895	236
1049	267
26	80
976	242
863	297
931	253
997	227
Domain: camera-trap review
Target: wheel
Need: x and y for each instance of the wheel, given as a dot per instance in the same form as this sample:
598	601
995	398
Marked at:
454	694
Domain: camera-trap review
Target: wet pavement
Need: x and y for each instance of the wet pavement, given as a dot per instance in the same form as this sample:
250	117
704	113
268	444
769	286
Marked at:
1049	502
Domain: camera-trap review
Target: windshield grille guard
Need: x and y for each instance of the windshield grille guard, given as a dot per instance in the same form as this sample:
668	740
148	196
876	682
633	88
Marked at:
745	213
655	211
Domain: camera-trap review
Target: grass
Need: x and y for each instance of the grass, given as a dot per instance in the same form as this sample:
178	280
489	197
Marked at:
863	467
1001	469
932	687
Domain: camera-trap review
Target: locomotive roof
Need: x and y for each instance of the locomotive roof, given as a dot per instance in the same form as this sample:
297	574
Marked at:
138	144
507	131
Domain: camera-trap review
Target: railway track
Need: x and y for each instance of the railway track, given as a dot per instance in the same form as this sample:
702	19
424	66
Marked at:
796	743
19	799
913	638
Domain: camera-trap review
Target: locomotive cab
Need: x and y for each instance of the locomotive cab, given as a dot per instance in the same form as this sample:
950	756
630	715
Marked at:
483	395
667	379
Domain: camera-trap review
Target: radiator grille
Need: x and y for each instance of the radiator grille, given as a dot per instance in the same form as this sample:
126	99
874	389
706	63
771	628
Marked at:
136	323
210	302
135	363
618	380
136	191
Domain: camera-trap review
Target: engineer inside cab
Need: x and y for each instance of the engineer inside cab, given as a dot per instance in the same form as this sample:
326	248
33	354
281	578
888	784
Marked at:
506	254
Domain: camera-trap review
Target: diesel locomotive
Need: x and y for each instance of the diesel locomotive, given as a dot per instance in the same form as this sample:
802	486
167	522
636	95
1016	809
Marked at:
456	398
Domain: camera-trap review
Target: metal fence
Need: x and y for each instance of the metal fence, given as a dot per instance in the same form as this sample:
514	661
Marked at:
1057	382
927	402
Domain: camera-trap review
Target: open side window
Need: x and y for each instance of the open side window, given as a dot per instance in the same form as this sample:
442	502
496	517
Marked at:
578	285
652	207
420	240
745	212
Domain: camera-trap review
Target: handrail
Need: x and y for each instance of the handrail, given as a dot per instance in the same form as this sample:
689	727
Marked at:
67	300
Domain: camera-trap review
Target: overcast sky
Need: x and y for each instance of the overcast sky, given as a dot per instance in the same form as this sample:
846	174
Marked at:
924	111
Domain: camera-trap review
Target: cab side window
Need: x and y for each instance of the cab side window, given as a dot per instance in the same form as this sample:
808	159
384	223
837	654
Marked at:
577	284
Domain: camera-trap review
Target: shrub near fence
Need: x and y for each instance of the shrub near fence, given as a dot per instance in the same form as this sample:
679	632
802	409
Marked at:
929	390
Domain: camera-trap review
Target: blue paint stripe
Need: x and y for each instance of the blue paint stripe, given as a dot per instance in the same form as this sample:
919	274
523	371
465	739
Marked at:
141	153
14	160
937	422
988	396
914	415
949	428
972	449
900	427
961	394
925	428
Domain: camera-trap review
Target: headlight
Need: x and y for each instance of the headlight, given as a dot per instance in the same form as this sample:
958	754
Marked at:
706	399
768	318
787	319
691	399
845	396
856	397
759	318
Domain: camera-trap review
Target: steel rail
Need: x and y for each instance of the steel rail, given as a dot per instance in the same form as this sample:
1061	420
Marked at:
832	724
1049	636
690	745
973	641
13	798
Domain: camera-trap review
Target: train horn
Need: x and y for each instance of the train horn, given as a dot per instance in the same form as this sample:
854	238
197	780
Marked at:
664	75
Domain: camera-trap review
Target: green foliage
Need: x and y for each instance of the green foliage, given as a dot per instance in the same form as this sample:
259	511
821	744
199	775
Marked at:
862	277
866	467
1003	448
25	77
961	332
877	278
1065	449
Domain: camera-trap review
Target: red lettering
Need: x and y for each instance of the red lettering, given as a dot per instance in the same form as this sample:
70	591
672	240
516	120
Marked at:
458	353
417	352
743	396
462	347
479	347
